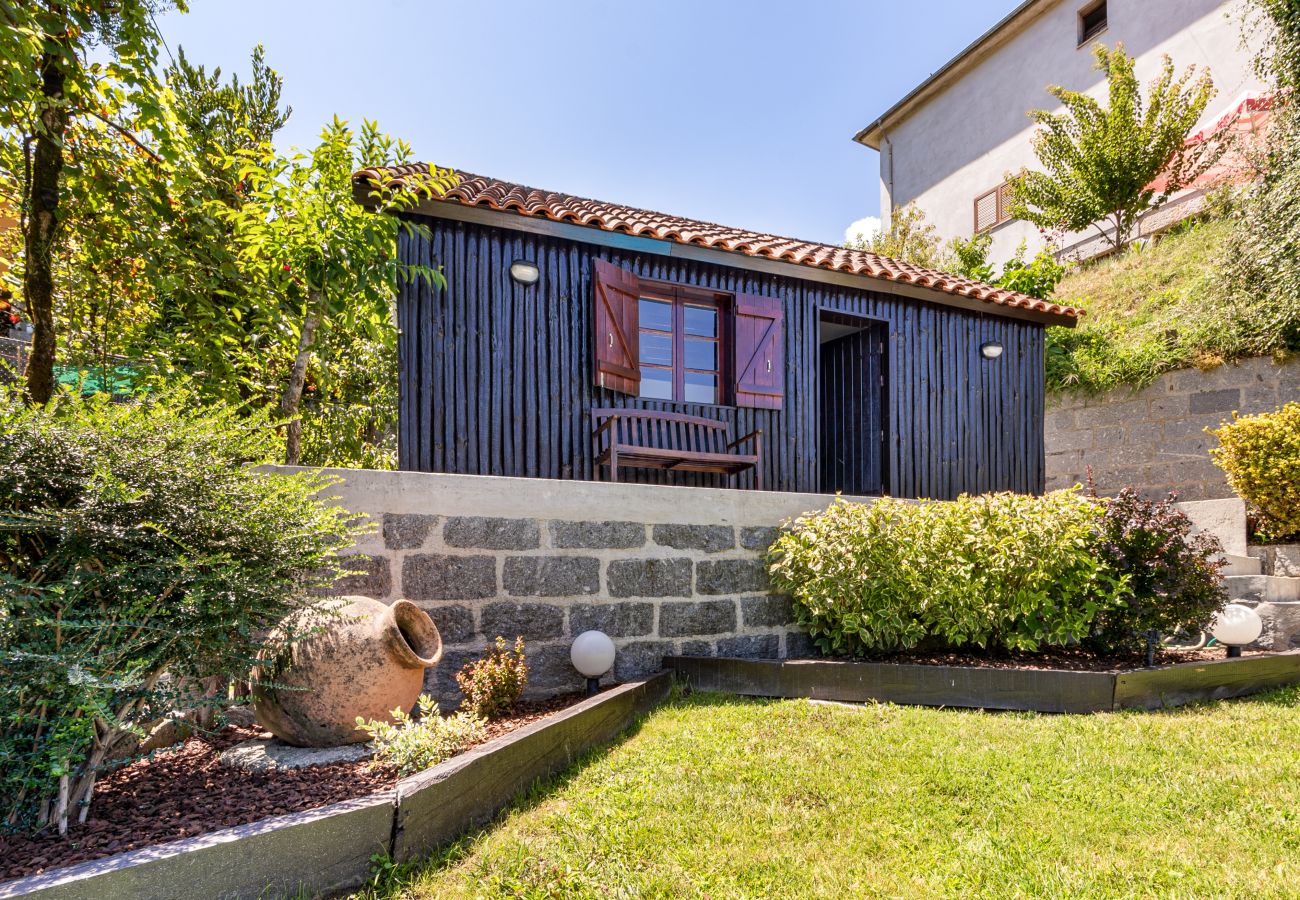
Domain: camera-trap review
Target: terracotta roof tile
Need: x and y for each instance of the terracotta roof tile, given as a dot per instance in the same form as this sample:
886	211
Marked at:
478	190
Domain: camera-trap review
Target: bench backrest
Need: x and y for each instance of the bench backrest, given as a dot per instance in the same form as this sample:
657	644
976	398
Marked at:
665	430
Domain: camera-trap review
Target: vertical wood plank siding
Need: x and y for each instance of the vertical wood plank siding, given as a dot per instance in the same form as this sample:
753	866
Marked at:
496	378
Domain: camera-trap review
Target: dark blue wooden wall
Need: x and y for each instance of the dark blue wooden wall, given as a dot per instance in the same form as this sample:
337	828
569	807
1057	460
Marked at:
496	377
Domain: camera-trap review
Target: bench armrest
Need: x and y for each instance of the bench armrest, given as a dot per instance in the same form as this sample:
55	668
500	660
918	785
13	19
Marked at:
752	436
604	426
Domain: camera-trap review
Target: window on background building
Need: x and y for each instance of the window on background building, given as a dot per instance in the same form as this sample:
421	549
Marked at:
992	208
1092	21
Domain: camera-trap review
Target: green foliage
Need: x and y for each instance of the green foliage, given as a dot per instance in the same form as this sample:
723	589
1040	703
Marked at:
910	238
493	684
1100	160
1003	570
1038	277
413	745
1173	575
139	553
1261	456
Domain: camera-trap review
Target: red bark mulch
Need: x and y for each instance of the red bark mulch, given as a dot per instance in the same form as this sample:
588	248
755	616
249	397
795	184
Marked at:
185	792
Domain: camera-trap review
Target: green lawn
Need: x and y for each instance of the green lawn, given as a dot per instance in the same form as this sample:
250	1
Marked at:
725	797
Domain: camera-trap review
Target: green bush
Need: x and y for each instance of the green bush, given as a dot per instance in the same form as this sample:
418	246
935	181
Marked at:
139	553
493	684
1003	570
413	745
1261	456
1173	575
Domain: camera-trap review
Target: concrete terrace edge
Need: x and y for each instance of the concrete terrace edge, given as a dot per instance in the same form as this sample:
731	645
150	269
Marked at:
1038	690
329	849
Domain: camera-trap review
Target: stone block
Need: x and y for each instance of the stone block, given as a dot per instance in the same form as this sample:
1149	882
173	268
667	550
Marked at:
551	671
799	645
484	533
455	622
750	646
650	577
731	576
758	537
1281	626
1060	441
371	576
1168	406
615	619
598	535
708	538
407	531
551	576
640	658
769	610
428	577
1222	401
696	648
440	681
698	617
531	621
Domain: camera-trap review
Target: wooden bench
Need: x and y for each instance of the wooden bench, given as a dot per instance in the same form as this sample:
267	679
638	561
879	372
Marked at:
650	439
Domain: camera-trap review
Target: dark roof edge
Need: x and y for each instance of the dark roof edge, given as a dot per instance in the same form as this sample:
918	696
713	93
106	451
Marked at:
870	136
459	212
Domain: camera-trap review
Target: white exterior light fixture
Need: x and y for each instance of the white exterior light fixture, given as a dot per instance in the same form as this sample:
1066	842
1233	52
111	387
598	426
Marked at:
525	272
990	350
592	655
1236	626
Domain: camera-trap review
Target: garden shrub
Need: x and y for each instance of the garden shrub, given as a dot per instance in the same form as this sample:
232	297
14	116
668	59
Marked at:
1004	570
139	553
493	684
1173	575
413	745
1261	456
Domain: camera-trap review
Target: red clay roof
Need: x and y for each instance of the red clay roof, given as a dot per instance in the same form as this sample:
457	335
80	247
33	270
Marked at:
478	190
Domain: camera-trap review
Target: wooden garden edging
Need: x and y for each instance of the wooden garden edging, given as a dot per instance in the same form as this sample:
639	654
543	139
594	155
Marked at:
325	850
1041	690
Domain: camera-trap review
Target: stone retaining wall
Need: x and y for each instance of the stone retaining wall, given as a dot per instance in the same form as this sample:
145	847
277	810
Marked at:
1154	439
662	570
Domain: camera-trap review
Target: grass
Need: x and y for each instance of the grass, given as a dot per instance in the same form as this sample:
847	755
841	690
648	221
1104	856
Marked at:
724	797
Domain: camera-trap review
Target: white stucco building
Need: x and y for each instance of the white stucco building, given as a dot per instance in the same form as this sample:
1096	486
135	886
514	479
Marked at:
947	145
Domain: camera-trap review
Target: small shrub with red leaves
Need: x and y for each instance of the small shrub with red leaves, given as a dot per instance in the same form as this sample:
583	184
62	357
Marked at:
492	685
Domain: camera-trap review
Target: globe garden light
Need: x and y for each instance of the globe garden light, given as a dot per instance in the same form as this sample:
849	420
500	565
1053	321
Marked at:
592	655
1236	626
525	272
991	350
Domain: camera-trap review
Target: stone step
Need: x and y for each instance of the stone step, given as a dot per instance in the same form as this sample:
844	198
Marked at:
1241	565
1263	588
1277	559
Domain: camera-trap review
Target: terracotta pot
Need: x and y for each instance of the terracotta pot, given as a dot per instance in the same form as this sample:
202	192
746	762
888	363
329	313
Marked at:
366	663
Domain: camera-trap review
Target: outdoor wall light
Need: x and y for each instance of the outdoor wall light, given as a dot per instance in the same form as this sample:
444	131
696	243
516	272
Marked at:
525	272
1236	626
991	350
592	655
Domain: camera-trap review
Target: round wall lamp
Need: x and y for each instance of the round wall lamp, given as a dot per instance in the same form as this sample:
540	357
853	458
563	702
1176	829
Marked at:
991	350
592	655
1235	626
525	272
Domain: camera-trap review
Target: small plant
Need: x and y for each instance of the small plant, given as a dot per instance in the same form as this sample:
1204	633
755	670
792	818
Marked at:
412	745
1261	456
492	685
1173	575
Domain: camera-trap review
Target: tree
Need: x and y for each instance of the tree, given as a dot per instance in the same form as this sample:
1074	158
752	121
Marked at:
318	256
47	82
1101	160
910	238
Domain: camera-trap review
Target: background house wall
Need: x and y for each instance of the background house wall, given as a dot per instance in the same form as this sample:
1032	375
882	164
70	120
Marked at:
1154	439
959	143
496	378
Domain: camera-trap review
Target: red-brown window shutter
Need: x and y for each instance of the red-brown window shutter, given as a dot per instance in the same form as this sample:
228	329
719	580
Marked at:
760	369
615	328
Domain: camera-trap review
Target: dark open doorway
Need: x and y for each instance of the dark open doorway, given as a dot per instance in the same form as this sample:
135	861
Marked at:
851	410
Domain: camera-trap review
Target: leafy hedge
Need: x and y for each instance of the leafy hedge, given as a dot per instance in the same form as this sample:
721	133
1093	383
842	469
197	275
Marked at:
997	570
1261	456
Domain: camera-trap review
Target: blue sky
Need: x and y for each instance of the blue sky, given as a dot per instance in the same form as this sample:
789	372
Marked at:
738	113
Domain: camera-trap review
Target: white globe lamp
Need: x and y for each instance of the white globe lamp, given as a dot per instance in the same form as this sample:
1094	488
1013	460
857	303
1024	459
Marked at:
1236	626
592	655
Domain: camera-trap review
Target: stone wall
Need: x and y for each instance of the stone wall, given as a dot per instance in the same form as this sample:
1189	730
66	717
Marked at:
661	570
1155	439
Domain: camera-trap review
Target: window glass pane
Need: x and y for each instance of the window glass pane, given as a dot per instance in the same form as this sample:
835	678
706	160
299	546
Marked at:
656	314
700	388
701	321
656	349
657	383
701	354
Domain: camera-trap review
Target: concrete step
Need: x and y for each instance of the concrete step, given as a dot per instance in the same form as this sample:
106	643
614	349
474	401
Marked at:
1262	588
1277	559
1241	565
